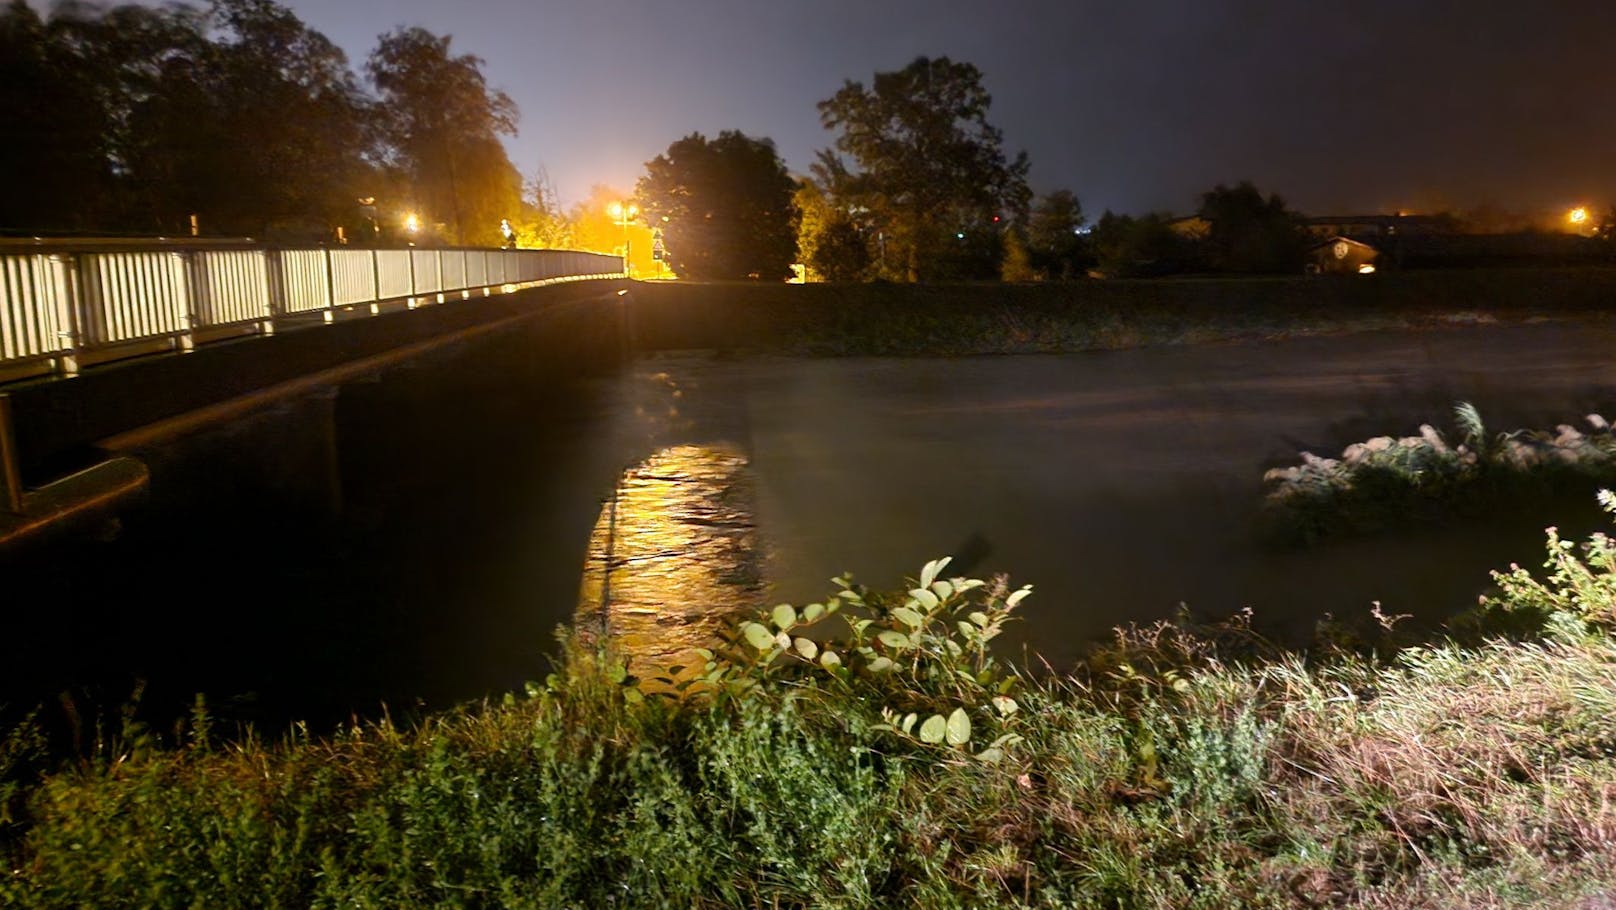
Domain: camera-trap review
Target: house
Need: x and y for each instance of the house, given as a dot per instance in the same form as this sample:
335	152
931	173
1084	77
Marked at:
1338	255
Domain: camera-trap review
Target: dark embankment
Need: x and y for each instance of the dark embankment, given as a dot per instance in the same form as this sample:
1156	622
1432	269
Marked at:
825	319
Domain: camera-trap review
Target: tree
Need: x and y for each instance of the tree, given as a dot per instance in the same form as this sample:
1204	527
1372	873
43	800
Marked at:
443	124
1055	244
136	118
930	170
51	147
71	108
1127	247
1017	264
601	224
829	242
542	225
725	207
1247	233
841	252
262	129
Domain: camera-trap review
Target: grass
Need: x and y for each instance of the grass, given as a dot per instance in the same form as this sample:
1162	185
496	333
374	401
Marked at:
1177	767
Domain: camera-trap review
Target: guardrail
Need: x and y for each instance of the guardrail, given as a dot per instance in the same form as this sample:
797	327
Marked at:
64	306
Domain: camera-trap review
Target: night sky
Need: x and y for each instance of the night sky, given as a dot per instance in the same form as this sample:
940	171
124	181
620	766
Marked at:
1361	105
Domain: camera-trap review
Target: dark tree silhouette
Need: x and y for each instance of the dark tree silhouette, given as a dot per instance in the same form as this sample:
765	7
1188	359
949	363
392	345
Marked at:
135	118
1127	247
1054	245
261	130
842	253
442	125
927	167
1248	233
51	132
725	207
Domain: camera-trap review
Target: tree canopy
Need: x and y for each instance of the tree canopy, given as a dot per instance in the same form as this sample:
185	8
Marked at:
1055	244
928	171
725	207
1248	233
134	118
442	125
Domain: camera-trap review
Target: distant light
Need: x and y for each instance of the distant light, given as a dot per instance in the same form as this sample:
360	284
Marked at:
960	235
1366	269
412	222
1577	215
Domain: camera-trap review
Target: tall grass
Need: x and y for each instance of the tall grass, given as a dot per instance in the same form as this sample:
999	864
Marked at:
1179	767
1388	482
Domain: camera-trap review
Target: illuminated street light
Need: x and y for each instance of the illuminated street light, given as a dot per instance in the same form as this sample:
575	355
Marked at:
1577	216
623	214
412	223
508	232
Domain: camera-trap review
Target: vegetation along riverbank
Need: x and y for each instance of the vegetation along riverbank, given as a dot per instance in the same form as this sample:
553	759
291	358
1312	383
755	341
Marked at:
1388	482
963	319
869	751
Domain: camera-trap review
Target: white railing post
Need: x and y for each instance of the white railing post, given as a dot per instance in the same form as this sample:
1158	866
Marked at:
411	257
65	274
186	340
275	291
330	283
199	294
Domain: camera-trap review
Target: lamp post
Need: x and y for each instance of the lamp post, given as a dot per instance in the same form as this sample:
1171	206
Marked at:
623	213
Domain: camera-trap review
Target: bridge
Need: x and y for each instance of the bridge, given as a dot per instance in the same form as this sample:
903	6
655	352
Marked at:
111	339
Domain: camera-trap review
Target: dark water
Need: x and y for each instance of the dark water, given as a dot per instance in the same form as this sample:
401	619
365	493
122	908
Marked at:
425	551
412	540
1125	484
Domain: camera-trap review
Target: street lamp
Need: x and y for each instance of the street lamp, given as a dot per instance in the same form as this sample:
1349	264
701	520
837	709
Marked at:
623	214
367	209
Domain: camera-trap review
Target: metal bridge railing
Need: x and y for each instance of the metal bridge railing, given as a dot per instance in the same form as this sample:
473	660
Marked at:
66	305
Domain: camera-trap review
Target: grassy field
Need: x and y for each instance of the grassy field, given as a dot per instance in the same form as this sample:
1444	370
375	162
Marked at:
869	751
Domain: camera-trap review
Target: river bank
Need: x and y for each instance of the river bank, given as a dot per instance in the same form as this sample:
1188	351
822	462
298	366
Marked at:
961	319
1179	767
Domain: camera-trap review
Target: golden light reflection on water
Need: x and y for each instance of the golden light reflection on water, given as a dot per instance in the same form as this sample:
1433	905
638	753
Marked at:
673	558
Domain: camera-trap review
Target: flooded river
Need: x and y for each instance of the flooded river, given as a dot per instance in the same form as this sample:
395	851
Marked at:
1121	484
655	501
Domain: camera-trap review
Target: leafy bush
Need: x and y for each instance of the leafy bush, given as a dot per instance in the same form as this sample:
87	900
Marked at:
921	659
